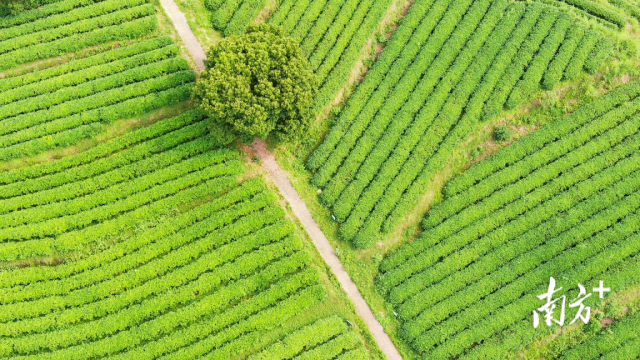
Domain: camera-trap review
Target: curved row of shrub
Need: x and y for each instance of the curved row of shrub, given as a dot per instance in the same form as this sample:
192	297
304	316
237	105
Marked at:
301	16
588	140
530	82
593	9
117	195
569	210
618	341
525	234
436	220
418	141
32	307
208	281
120	53
397	57
537	140
33	283
628	7
473	303
124	180
71	106
372	169
108	17
121	81
54	23
324	339
333	39
28	88
219	278
36	43
121	151
366	157
61	105
91	123
96	184
232	16
522	332
410	88
468	116
47	8
509	310
501	212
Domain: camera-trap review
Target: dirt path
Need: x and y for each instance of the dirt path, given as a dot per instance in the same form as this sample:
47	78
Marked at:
190	40
324	247
291	195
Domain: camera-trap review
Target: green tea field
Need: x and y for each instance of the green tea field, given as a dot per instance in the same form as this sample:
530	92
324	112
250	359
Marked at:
343	179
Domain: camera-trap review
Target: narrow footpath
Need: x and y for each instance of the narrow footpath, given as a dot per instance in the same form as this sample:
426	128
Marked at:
279	177
189	39
324	247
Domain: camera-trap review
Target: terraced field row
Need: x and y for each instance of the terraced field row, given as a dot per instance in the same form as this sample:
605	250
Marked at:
61	105
619	341
61	205
232	16
613	13
65	26
207	282
180	260
327	338
562	202
332	34
147	245
448	66
522	333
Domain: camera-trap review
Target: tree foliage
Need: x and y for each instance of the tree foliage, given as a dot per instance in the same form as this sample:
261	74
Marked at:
256	85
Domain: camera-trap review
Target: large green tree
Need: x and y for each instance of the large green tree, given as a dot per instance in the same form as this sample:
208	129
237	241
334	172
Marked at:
256	85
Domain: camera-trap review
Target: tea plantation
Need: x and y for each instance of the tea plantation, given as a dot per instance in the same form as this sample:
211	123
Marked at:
147	243
462	155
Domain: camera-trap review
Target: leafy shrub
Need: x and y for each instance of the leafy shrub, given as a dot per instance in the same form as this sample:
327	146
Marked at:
501	133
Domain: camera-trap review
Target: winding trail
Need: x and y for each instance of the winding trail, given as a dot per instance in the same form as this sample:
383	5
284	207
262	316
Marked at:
279	177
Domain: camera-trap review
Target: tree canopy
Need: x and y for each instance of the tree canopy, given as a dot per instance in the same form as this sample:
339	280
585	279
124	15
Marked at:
256	85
